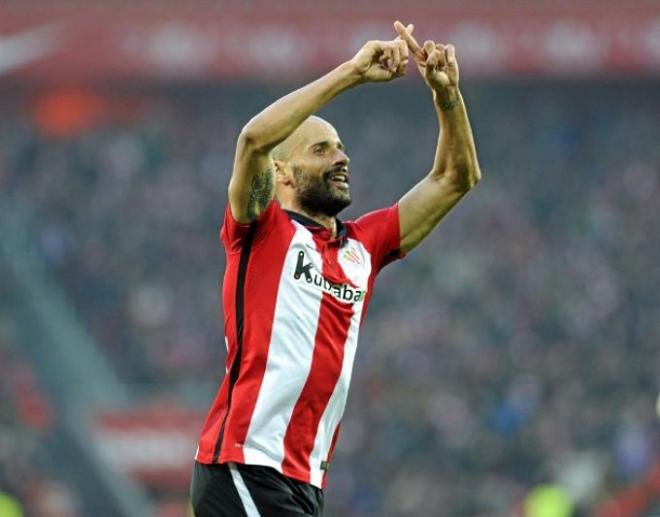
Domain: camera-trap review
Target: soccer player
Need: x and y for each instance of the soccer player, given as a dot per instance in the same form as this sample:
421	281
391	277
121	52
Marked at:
298	281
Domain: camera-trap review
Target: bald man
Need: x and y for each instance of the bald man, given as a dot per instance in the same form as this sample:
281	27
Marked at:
298	281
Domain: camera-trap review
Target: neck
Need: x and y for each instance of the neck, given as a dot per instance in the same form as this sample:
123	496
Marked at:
327	221
324	220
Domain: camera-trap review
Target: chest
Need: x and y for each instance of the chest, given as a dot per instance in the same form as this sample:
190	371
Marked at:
340	267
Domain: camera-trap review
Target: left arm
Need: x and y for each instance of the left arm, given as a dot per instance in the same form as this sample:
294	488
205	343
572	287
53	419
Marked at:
455	168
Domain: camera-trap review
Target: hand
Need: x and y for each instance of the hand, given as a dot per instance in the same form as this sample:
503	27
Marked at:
382	60
436	63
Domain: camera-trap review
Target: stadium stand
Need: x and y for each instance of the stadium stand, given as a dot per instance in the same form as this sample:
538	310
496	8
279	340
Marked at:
29	482
517	346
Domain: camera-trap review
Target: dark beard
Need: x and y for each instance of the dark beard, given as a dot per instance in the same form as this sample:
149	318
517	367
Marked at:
316	195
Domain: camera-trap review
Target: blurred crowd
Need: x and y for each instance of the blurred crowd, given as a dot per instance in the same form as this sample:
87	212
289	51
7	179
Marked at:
517	347
29	483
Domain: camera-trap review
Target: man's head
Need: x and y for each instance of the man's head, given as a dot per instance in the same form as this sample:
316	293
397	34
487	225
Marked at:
311	170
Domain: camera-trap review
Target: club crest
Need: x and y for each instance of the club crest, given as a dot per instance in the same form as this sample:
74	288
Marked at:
352	256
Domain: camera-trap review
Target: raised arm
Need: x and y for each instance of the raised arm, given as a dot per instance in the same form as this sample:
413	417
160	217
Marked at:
455	168
251	187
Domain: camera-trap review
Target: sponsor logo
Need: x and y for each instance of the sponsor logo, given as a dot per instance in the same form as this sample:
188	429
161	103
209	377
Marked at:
342	292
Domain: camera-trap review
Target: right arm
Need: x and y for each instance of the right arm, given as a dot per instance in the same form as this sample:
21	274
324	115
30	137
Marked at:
251	187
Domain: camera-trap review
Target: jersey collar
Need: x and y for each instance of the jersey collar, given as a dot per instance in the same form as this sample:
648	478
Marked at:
310	223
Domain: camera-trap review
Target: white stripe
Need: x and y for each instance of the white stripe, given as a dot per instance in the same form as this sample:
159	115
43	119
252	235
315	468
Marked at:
243	492
335	407
289	355
337	403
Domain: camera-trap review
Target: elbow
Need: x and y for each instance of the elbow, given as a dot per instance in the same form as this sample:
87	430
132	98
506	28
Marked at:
465	178
252	140
474	176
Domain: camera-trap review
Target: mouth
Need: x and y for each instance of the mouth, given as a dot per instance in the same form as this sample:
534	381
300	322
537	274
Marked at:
339	178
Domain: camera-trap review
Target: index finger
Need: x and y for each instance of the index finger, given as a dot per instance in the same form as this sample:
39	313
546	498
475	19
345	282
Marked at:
408	38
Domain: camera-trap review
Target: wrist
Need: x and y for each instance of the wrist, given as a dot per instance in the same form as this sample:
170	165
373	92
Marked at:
446	99
351	74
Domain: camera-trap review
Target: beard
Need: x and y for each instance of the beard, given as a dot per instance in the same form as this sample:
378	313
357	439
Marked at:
317	194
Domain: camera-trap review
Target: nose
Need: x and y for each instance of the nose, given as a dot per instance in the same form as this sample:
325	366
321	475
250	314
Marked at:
341	159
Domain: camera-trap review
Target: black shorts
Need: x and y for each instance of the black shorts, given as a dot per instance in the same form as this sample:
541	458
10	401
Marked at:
235	490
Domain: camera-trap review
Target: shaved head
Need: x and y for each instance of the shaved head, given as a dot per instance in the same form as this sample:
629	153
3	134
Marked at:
304	134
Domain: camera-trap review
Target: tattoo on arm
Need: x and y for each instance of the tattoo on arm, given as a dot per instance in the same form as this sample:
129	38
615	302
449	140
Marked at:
448	105
261	193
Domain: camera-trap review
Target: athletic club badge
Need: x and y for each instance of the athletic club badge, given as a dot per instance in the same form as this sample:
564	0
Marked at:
352	256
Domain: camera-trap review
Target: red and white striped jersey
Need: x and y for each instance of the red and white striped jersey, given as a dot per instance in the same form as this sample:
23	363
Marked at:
294	298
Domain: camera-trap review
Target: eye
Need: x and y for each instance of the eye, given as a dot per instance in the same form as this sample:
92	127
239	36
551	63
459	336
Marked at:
319	149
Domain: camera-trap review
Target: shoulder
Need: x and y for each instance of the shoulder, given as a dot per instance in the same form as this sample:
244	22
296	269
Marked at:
235	235
372	224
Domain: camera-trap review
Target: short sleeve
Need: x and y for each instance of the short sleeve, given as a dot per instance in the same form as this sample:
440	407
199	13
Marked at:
379	231
234	234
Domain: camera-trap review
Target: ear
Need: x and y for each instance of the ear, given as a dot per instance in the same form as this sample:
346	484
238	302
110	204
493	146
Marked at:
283	174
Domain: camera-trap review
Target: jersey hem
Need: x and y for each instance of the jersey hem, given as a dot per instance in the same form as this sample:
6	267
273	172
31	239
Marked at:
260	459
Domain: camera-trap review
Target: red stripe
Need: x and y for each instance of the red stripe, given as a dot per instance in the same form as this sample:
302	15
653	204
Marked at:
239	296
218	410
327	359
261	286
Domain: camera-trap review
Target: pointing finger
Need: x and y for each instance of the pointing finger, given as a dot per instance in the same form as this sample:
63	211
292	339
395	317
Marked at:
399	28
409	28
406	35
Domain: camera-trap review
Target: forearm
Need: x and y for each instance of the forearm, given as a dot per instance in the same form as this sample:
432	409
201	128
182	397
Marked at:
456	156
280	119
252	185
